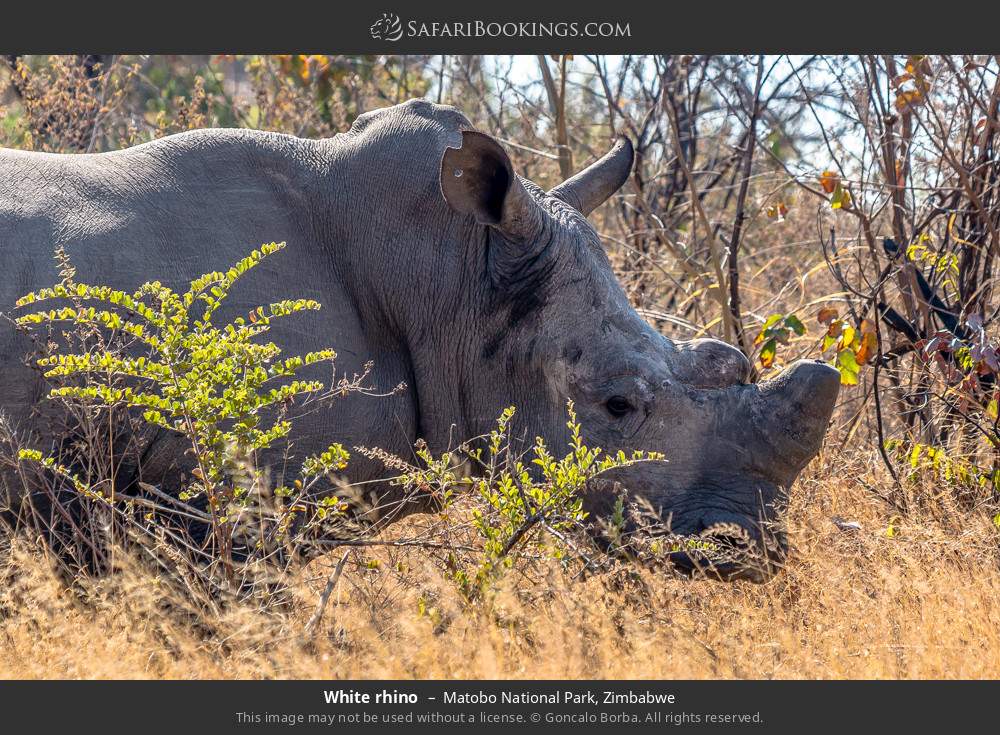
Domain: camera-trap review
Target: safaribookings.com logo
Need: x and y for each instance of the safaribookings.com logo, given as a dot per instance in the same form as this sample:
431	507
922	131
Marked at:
390	28
387	28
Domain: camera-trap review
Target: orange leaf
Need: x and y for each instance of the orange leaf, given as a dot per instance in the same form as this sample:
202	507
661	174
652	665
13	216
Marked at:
829	180
866	351
826	315
898	81
920	65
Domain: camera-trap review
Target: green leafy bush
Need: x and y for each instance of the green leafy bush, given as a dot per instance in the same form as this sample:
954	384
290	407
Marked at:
223	389
517	514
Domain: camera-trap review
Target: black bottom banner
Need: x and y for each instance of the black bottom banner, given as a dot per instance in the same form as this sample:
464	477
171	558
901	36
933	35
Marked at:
405	706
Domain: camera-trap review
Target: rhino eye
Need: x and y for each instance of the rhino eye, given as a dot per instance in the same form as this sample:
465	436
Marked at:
618	406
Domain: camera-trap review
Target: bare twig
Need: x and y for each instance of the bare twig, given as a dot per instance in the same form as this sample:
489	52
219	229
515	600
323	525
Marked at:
324	598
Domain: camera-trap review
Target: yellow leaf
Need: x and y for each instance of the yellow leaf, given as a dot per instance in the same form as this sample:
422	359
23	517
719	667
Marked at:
767	353
847	336
841	198
908	98
951	230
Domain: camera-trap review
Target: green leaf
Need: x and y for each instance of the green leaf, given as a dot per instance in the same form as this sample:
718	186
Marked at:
772	320
795	324
848	367
767	353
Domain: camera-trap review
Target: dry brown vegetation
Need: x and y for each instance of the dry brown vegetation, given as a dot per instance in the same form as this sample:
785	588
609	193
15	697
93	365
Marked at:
867	593
851	603
797	172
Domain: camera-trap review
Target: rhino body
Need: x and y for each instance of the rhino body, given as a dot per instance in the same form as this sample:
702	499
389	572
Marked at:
435	262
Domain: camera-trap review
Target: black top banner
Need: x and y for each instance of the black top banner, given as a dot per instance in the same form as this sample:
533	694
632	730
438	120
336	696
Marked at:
449	27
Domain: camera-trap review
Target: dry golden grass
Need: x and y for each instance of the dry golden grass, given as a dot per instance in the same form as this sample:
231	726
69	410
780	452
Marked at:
851	604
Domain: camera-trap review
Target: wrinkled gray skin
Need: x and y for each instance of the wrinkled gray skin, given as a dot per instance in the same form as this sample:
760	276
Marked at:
472	286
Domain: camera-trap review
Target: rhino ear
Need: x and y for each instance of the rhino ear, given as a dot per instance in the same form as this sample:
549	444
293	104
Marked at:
593	186
479	180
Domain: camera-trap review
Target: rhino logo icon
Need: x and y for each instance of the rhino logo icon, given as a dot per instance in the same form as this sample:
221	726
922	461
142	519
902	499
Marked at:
387	28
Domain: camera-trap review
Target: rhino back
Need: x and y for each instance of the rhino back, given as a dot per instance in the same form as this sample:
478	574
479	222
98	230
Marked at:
169	207
169	210
176	208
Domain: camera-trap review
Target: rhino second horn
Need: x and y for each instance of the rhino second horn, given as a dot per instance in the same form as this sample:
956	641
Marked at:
593	186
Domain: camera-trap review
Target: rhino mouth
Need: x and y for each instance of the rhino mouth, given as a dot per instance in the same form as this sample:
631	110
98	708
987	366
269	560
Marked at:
729	551
725	545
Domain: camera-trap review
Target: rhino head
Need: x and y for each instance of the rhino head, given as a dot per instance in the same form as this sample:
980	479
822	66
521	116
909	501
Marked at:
554	324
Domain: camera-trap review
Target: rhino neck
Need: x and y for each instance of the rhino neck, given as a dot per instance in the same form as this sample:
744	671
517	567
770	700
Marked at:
441	322
467	336
477	345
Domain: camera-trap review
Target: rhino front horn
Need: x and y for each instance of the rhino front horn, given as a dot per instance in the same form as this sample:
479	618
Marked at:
593	186
794	412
